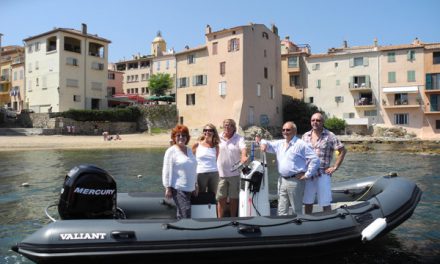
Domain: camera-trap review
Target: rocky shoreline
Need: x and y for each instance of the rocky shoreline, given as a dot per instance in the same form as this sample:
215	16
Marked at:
407	145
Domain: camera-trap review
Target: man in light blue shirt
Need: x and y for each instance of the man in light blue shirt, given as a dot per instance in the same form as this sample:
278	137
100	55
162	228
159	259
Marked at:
296	162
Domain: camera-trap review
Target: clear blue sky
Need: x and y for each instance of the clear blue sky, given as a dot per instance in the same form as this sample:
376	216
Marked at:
131	25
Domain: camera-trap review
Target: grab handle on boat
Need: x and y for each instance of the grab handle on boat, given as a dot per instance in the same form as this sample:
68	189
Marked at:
374	229
123	235
249	229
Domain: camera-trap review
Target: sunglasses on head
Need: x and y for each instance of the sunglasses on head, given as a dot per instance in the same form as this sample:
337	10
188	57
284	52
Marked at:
208	130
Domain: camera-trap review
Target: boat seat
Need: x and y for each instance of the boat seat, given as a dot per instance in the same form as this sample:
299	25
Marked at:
204	205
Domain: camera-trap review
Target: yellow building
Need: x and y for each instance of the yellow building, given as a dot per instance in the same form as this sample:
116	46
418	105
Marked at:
12	77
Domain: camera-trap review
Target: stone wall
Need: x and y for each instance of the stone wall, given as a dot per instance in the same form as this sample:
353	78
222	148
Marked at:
161	116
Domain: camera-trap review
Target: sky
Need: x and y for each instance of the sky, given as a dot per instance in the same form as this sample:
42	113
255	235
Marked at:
131	25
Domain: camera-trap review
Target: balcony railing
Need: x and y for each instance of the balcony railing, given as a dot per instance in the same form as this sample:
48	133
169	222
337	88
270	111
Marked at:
359	86
364	101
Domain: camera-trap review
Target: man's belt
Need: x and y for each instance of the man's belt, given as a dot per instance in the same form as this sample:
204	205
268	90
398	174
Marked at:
293	176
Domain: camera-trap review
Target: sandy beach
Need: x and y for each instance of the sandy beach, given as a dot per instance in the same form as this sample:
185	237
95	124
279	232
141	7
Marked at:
41	142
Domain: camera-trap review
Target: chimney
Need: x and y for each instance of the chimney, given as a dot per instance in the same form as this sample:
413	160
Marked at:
287	37
84	28
208	29
345	44
416	41
375	42
274	29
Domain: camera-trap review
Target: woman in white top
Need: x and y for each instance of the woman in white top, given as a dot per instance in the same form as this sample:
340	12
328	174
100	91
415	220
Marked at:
179	171
206	151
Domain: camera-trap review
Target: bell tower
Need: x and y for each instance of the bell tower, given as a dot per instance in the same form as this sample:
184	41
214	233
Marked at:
158	46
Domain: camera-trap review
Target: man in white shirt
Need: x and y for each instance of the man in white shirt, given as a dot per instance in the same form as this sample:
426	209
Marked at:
296	162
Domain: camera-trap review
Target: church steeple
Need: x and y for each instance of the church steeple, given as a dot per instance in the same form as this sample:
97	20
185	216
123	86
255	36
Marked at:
158	46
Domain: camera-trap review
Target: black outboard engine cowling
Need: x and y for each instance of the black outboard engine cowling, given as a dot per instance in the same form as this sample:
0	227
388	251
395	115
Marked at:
88	192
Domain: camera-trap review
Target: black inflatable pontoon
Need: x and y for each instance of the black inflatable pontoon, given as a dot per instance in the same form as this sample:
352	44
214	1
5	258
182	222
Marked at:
129	226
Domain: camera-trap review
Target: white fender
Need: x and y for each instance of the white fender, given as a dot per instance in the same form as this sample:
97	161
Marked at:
374	229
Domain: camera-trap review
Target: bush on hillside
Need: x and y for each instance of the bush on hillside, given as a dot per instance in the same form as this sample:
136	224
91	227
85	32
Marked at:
335	125
129	114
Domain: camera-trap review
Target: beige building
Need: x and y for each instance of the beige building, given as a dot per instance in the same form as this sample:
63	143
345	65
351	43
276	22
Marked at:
235	75
402	81
386	86
66	69
192	86
12	90
136	73
344	83
138	70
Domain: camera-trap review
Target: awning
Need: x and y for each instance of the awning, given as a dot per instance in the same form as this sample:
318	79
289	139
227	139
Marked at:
401	89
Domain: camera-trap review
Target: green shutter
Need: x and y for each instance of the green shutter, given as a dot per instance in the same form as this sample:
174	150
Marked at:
434	102
428	82
367	81
351	62
365	61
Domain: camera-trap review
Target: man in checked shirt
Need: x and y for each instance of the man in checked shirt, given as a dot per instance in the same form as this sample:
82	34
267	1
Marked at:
324	143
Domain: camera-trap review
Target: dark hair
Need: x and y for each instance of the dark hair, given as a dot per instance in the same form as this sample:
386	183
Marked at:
180	129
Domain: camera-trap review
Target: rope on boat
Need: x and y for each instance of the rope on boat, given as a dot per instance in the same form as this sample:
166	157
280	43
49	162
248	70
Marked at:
297	221
47	213
368	190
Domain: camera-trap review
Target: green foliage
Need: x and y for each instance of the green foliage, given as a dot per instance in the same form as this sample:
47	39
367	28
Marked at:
129	114
300	113
335	125
158	112
160	83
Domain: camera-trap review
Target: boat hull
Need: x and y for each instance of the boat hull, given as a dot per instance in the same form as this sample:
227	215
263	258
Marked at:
151	230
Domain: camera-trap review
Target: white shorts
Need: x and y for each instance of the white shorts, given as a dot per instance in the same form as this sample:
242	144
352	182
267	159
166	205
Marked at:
320	186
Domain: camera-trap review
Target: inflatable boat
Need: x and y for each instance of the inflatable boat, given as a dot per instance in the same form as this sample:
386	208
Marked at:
100	225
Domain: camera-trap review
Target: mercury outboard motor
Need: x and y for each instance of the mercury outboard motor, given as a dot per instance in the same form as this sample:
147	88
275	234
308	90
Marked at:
88	192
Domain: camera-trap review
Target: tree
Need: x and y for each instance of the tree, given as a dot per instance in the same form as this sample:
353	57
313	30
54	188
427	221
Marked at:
160	83
300	113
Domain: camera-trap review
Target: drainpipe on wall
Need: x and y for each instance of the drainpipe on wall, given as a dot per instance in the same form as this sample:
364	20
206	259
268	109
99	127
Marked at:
84	32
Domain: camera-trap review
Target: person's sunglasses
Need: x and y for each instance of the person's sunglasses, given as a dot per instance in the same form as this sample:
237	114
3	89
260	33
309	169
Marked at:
316	120
208	130
286	129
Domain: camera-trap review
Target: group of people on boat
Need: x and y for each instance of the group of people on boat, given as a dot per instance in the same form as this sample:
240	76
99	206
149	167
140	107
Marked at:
304	166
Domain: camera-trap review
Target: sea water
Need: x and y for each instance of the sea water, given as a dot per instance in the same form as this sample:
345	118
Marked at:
22	207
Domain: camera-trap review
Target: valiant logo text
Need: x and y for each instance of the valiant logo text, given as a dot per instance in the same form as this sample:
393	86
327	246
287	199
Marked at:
83	236
94	191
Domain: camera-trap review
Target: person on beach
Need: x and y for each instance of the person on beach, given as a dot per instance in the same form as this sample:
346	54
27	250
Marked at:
296	162
206	151
324	143
179	172
232	149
